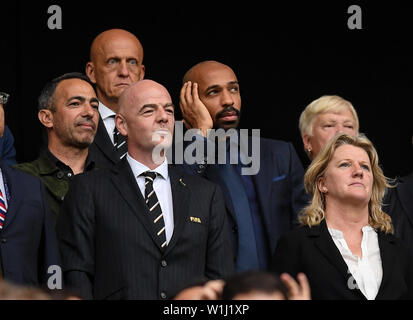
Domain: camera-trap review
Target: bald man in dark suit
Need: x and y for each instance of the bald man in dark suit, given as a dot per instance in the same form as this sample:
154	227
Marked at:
143	229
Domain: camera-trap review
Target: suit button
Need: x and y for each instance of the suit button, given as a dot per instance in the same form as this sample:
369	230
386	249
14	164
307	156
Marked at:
163	263
4	240
60	175
235	229
163	295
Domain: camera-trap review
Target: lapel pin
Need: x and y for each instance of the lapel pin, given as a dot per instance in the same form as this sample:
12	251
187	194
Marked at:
182	182
194	219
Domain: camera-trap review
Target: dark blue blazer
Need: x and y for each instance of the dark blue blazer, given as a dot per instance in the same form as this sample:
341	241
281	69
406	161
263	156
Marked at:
7	150
279	188
28	244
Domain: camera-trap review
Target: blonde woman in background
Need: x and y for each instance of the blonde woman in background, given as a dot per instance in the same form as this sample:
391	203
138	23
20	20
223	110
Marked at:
323	118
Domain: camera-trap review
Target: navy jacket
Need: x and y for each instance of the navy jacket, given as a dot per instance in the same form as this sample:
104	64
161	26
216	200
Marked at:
7	150
28	244
278	185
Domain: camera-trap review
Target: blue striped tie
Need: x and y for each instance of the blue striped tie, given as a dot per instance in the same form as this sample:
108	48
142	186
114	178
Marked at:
3	210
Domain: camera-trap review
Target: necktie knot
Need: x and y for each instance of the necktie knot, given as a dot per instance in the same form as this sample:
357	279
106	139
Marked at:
150	175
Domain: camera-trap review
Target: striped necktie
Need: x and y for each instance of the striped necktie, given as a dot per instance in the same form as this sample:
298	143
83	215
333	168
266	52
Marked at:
154	206
120	143
3	210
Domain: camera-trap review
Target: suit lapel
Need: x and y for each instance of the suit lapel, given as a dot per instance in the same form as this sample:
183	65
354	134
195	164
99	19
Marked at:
16	197
181	193
103	142
325	243
128	188
388	259
262	182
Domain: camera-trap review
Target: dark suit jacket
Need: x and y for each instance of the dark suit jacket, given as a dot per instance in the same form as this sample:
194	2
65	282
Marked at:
109	248
7	150
398	203
279	188
28	244
313	251
102	150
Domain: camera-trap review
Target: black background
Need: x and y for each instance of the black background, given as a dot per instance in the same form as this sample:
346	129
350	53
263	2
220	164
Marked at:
285	56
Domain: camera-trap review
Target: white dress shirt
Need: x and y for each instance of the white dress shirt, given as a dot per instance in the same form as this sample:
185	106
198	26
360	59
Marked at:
367	271
108	117
3	189
162	187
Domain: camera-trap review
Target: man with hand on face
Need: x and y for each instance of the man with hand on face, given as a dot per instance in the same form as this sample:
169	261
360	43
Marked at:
68	110
142	229
115	63
262	206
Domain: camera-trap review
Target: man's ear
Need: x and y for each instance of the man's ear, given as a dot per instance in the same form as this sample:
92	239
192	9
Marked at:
46	117
143	72
90	71
121	124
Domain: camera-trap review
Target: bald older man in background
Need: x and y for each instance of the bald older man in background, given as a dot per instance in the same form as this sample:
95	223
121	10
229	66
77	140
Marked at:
116	58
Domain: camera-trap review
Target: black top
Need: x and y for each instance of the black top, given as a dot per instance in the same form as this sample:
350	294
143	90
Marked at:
313	252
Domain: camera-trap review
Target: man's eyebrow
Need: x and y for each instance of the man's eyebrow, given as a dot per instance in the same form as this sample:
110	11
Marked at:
77	98
154	106
94	100
149	105
170	104
215	86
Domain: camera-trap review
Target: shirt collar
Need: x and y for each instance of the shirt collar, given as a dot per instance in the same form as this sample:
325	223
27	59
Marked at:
139	168
105	112
51	164
55	164
337	234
